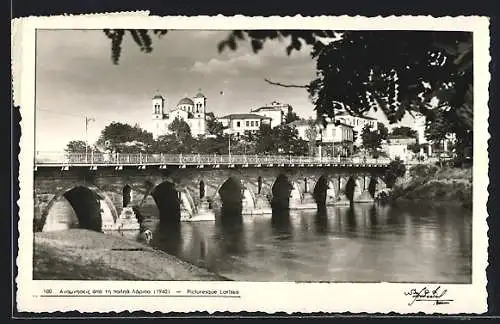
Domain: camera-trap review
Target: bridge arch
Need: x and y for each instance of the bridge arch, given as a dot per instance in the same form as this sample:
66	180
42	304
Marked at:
173	201
229	195
249	199
126	195
81	206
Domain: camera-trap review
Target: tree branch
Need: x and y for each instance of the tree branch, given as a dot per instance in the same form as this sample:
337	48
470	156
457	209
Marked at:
287	85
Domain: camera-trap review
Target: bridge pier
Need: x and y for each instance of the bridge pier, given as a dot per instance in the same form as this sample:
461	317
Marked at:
362	195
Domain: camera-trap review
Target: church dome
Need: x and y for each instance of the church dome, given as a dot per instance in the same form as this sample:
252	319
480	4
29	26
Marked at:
186	101
200	95
158	97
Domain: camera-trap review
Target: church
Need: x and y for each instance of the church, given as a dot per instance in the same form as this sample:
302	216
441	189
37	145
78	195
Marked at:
191	110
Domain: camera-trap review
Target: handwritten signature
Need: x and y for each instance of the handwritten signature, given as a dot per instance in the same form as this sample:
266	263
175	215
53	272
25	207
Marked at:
428	295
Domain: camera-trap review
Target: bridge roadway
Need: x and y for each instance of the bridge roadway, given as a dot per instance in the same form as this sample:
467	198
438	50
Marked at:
94	160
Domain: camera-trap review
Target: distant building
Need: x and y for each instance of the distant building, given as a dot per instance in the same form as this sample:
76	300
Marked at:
413	120
397	139
332	135
357	123
275	110
397	150
238	124
191	110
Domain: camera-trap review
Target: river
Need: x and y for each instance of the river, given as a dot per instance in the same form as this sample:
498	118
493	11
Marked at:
365	243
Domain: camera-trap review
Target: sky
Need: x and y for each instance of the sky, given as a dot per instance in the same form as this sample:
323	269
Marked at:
75	78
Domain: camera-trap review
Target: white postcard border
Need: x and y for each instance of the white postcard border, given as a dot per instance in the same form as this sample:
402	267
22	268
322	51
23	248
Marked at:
267	297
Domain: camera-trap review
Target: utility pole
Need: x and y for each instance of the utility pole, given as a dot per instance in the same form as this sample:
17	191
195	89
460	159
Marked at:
87	122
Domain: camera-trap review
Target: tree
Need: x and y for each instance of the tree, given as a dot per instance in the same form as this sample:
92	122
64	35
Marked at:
371	138
437	127
218	145
125	138
214	127
291	117
285	138
405	131
311	137
265	140
77	147
395	170
383	131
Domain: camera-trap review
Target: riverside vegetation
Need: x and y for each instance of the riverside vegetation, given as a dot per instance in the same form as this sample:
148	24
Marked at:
431	183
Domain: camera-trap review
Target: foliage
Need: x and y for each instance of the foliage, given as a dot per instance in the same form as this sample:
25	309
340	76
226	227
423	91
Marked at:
415	148
395	170
286	139
383	131
179	141
372	138
265	141
423	171
311	136
405	131
123	138
214	127
280	139
291	117
77	147
218	145
140	36
437	126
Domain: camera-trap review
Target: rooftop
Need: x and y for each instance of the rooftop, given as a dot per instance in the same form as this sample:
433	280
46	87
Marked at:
185	101
303	122
244	116
400	137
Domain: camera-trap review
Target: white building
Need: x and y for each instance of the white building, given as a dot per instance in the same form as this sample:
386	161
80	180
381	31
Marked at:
238	124
397	150
357	123
191	110
275	110
332	133
334	139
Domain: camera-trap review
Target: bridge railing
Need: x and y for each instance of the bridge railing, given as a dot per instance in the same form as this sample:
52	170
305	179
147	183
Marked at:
98	158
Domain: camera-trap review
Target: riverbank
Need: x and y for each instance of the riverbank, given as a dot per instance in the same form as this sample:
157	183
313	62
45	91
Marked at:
79	254
432	184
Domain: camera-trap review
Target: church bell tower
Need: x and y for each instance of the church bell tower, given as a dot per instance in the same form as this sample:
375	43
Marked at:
158	105
158	113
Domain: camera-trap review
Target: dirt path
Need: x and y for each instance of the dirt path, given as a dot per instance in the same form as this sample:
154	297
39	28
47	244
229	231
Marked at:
85	255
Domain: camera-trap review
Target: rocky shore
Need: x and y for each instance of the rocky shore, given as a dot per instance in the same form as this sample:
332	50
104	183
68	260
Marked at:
432	184
79	254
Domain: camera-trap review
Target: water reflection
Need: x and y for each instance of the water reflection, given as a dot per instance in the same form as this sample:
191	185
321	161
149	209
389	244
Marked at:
321	221
362	243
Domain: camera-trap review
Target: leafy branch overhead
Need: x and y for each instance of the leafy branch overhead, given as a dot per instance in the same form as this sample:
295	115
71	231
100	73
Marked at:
141	37
394	71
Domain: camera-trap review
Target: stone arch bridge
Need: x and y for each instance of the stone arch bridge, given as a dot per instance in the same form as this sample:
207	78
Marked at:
98	192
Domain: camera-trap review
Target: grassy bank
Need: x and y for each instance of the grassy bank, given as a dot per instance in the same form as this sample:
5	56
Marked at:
79	254
433	184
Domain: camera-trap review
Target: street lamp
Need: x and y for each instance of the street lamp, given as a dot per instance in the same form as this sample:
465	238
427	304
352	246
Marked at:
87	122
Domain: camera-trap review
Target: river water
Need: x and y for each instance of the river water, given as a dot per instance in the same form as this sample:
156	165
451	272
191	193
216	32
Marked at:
363	243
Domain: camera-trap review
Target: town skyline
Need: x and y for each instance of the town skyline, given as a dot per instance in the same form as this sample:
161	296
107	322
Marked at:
76	79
